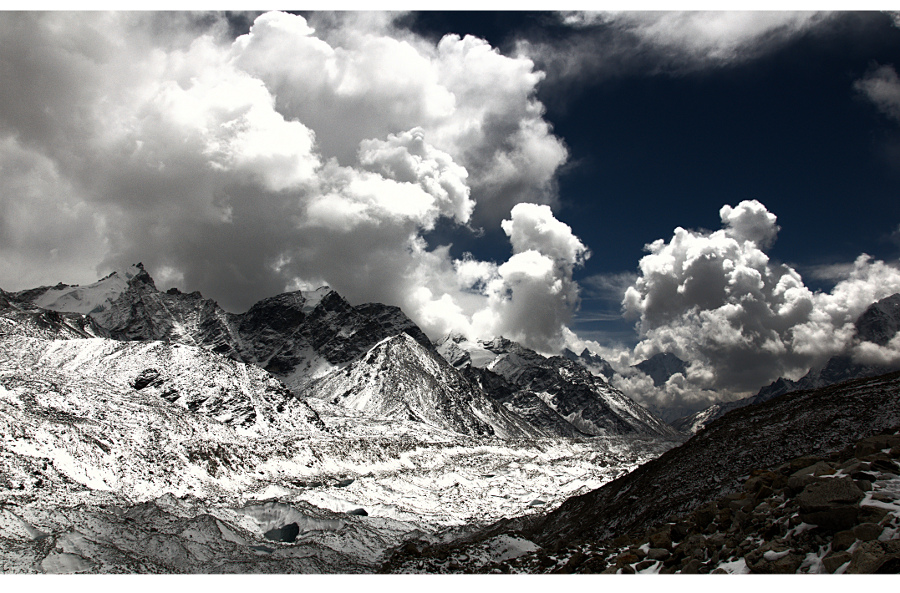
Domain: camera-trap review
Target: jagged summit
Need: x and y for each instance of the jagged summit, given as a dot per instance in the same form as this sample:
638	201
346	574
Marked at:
296	336
661	366
592	362
89	299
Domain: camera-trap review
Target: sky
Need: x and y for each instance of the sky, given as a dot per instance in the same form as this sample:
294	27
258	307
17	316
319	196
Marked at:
723	186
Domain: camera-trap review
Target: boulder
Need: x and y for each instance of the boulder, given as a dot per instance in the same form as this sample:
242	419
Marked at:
869	557
830	503
658	554
834	561
875	444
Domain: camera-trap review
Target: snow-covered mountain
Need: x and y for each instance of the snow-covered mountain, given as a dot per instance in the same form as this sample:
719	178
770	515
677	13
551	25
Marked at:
400	378
878	324
155	456
145	431
585	401
296	336
592	362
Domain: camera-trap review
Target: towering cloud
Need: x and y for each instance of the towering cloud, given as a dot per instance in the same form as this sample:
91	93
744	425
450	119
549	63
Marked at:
284	158
716	299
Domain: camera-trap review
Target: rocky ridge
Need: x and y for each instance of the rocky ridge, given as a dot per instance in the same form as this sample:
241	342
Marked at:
296	336
553	392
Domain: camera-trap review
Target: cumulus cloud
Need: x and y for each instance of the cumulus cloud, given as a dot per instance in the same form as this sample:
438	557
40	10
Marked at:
284	158
882	87
715	299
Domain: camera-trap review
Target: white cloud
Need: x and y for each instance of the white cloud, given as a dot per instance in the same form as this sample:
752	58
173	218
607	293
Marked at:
607	43
882	87
716	300
286	158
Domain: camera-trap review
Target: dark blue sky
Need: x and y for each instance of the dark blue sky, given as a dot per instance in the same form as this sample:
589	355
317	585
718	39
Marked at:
654	147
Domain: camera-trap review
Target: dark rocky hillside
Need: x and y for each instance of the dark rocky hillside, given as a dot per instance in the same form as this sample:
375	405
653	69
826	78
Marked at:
712	465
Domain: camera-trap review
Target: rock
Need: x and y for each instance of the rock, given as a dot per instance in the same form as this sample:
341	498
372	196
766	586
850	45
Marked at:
662	539
830	503
691	545
842	540
834	561
575	560
867	531
820	468
884	465
876	444
644	564
870	514
833	519
626	558
658	554
796	464
593	565
869	557
692	567
775	557
705	515
680	530
145	378
360	512
864	485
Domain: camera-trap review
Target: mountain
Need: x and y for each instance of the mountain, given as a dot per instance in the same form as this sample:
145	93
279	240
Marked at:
296	336
879	323
401	378
586	402
811	470
661	366
596	364
156	456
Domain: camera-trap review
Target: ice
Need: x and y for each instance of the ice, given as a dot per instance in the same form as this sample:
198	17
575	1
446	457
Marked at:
56	563
738	566
275	515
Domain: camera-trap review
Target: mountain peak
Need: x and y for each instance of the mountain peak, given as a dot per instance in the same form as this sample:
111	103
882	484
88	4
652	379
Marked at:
661	366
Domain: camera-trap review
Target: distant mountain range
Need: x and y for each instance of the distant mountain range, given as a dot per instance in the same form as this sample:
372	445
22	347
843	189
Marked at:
322	347
878	324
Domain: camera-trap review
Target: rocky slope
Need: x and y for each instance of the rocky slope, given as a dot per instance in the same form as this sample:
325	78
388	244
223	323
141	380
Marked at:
715	465
825	515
